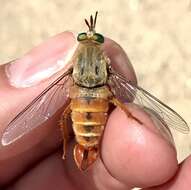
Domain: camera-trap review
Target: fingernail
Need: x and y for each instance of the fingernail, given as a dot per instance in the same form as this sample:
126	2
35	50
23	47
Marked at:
42	61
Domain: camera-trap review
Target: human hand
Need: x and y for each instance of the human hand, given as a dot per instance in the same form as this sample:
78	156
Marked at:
135	154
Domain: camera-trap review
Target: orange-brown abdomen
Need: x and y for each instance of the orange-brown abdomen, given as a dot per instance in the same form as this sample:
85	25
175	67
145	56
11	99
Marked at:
89	115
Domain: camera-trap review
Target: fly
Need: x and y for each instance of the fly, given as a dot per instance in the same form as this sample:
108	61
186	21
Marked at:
86	90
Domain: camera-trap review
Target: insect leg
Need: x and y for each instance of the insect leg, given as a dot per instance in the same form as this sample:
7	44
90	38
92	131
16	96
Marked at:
116	102
64	127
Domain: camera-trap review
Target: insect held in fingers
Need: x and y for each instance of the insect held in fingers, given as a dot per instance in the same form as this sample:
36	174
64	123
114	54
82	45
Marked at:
86	90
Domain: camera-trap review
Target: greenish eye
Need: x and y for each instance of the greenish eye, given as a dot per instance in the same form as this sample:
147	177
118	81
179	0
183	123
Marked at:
98	38
82	36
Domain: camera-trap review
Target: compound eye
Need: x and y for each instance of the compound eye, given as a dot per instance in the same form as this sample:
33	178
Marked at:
98	38
82	36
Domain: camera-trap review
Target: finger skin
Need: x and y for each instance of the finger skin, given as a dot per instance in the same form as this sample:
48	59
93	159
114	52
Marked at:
119	60
137	154
65	175
43	140
134	154
53	173
182	179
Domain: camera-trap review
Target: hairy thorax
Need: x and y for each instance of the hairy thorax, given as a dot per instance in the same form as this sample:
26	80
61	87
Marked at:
90	68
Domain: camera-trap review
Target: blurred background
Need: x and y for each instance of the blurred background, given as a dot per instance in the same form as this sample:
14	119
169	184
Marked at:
155	35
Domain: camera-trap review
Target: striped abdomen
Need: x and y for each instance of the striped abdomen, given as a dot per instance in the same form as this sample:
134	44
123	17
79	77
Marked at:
89	114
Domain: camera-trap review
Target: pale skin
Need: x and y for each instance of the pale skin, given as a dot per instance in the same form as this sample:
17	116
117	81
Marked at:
135	154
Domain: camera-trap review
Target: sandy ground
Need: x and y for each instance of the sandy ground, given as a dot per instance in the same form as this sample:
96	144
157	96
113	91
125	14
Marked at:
155	35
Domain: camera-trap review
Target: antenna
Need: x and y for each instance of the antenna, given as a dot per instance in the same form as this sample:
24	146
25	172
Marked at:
87	23
95	19
91	25
91	22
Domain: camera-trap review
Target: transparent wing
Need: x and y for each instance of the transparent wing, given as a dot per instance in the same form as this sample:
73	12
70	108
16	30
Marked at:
39	110
127	92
